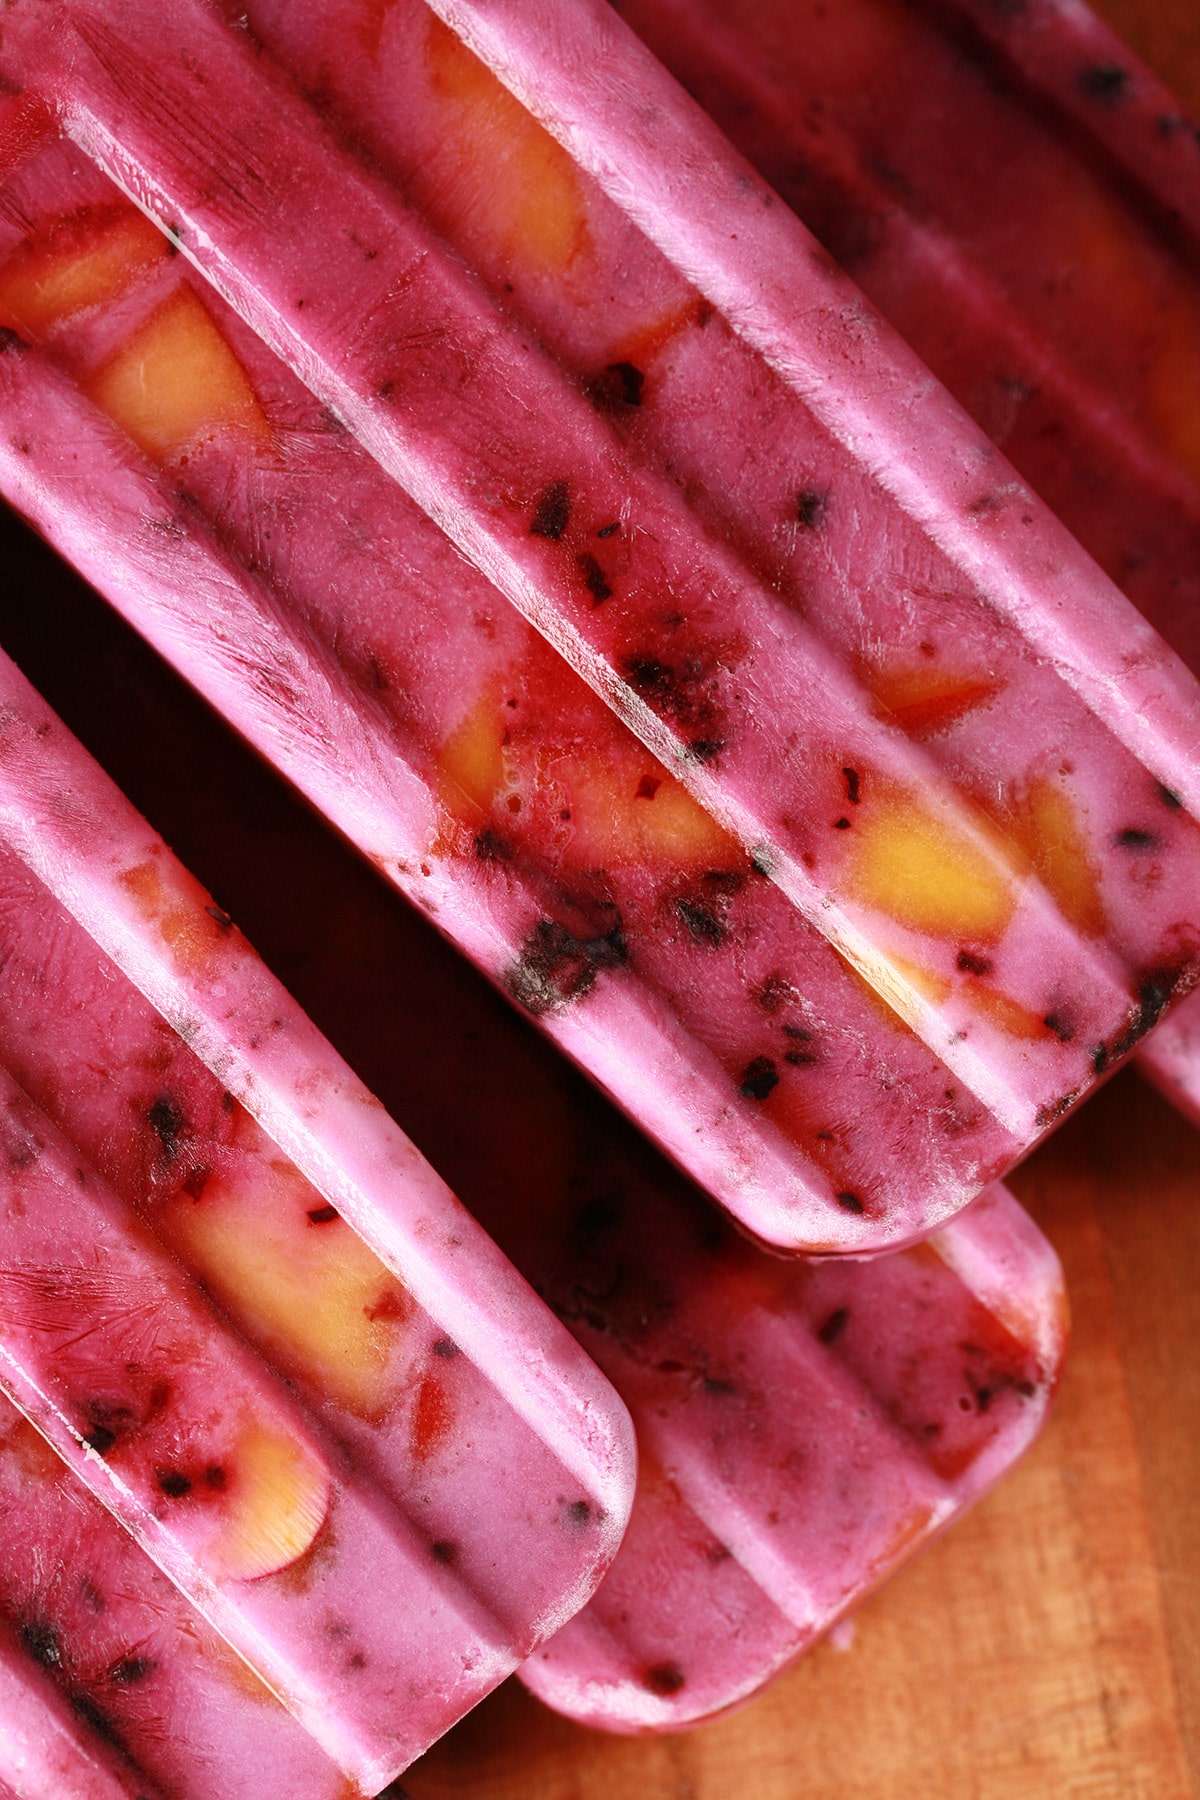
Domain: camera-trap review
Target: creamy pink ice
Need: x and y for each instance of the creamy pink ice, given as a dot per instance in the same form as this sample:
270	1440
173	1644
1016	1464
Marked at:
804	1429
1002	920
455	1475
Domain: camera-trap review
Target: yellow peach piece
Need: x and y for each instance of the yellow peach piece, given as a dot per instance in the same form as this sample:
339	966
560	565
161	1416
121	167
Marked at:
498	175
472	759
297	1279
1043	823
618	807
274	1502
78	262
176	382
921	701
927	874
629	809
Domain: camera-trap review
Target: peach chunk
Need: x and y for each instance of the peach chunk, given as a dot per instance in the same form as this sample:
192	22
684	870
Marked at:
84	260
922	701
294	1275
275	1494
1043	823
628	809
601	807
927	874
188	921
497	174
175	383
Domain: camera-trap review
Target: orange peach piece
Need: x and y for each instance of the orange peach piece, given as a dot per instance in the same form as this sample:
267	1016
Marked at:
618	807
85	260
1043	823
627	808
498	174
176	382
922	701
296	1278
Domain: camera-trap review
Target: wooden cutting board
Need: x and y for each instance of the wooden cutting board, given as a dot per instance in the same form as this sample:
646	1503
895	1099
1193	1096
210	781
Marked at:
1050	1643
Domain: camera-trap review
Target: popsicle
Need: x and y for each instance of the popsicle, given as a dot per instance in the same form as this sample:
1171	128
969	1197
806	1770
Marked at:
687	1318
1051	284
443	1476
795	1153
142	1678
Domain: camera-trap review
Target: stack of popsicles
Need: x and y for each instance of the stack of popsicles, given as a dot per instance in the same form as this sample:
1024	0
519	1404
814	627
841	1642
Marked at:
513	470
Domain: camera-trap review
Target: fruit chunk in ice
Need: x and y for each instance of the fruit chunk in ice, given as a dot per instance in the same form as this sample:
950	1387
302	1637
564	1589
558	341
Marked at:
175	382
84	260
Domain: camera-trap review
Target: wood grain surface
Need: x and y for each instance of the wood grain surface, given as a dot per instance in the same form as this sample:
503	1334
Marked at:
1050	1643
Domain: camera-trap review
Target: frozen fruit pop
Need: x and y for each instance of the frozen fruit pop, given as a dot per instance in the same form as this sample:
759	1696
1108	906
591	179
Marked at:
1046	271
804	1429
141	1673
857	1402
467	1481
1005	927
1059	304
583	875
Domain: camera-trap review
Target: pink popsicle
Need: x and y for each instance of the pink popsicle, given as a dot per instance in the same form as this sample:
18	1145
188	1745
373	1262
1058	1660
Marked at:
1059	304
804	1429
688	1319
391	1612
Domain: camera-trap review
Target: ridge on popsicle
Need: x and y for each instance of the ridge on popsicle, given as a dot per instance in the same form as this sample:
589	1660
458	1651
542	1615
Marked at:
1053	289
172	1119
1021	994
